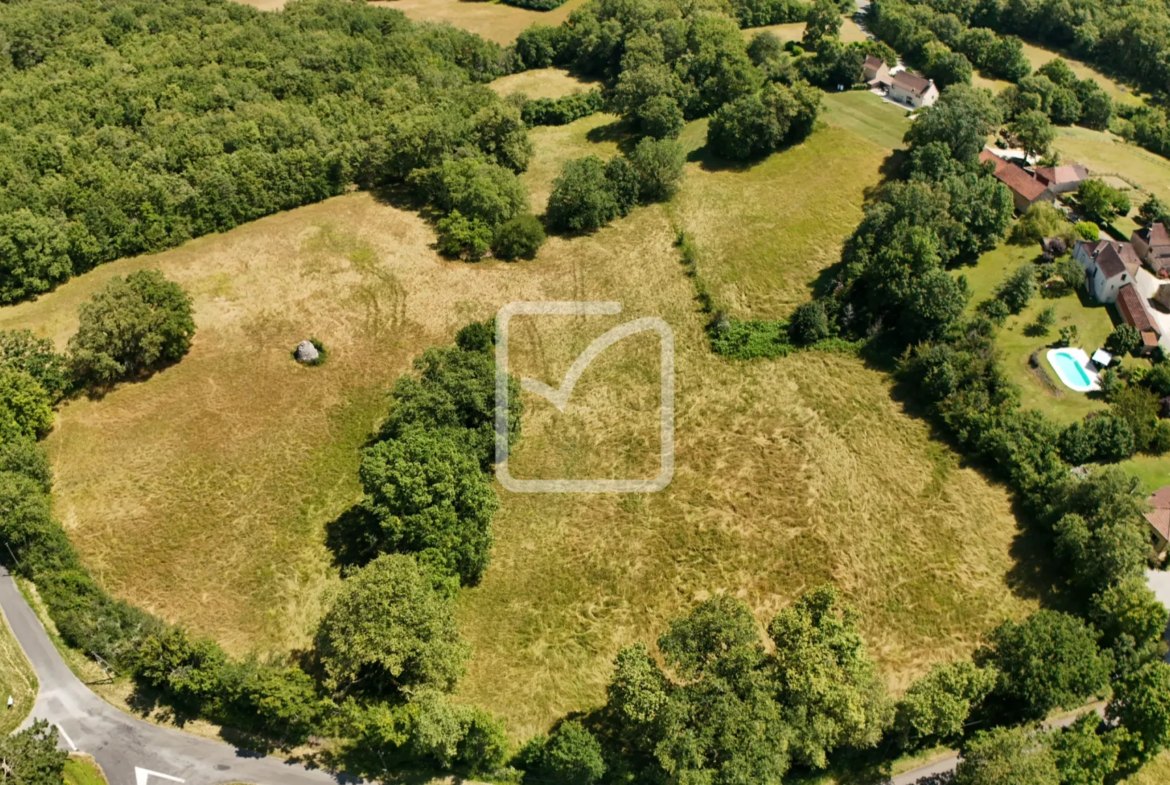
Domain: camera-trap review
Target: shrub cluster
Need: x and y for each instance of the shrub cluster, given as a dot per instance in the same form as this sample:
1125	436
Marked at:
130	127
589	192
563	110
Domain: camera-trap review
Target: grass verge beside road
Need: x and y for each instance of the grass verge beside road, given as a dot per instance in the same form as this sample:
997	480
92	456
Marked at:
16	679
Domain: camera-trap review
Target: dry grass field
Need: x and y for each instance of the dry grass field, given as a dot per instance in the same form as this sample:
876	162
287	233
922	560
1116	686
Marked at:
794	31
202	493
492	20
540	83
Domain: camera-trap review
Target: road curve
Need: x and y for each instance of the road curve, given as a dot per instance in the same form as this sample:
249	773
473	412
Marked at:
123	744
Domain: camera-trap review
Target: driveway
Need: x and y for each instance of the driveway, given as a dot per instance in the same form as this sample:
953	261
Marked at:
131	751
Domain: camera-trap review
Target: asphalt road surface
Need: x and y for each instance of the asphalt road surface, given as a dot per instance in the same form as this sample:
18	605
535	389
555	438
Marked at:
131	751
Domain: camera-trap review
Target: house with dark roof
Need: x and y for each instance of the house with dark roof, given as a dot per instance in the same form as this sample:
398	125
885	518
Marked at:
1062	179
1159	518
1109	266
1132	307
875	72
1026	189
913	90
1152	246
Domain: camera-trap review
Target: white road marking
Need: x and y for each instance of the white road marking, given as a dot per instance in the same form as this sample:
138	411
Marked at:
142	775
68	740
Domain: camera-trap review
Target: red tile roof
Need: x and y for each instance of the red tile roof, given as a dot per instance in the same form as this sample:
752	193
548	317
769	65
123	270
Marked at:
986	155
1059	175
1133	309
1159	517
1020	181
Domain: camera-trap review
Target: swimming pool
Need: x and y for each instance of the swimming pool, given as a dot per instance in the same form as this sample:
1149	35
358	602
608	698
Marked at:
1072	366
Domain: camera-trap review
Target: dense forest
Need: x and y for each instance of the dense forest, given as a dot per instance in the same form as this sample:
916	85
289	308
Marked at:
129	127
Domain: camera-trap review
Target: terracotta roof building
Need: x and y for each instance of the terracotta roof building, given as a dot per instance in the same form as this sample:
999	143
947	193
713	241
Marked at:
1132	307
1152	245
1026	190
1159	517
1062	179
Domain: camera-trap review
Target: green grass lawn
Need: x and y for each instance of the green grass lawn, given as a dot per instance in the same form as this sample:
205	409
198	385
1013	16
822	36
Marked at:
83	771
1040	387
1107	154
867	115
16	679
765	231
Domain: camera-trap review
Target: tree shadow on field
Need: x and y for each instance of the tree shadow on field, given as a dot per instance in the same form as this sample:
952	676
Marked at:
1034	573
618	132
353	537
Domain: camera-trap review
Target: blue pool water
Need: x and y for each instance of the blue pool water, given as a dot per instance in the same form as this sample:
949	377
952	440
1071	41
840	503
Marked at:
1070	369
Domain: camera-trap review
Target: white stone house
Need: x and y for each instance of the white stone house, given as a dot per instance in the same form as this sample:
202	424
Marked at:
1109	266
914	91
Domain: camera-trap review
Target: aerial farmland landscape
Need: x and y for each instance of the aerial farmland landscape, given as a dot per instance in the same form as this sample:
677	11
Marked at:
711	392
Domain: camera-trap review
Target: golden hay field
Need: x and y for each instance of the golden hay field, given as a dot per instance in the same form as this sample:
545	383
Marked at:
540	83
492	20
202	493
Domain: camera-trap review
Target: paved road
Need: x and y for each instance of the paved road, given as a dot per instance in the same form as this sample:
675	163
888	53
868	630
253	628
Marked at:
121	743
951	762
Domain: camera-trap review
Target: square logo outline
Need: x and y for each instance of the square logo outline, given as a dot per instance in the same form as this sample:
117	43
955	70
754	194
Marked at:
559	396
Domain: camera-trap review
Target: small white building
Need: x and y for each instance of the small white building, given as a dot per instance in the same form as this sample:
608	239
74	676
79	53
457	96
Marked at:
914	91
875	72
1109	266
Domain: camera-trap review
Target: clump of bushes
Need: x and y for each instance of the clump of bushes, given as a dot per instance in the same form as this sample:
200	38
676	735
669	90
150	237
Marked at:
563	110
589	193
755	125
519	238
130	327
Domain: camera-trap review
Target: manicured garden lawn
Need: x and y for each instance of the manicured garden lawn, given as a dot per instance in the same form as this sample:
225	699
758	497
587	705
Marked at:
867	115
1039	387
1152	470
1156	772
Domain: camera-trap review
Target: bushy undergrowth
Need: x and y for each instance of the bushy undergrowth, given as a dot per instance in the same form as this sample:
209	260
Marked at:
563	110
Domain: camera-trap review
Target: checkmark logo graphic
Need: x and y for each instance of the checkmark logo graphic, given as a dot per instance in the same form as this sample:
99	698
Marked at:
559	396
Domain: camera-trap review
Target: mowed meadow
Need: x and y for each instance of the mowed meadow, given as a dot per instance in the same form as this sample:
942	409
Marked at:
204	492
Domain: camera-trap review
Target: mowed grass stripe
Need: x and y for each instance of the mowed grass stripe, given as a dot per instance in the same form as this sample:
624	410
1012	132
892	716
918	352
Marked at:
868	116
